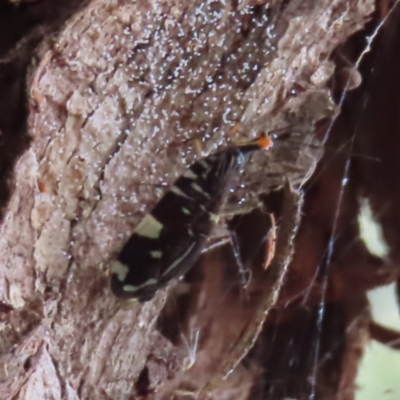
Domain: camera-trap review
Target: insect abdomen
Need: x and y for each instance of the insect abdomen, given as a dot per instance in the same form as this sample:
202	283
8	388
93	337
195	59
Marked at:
169	239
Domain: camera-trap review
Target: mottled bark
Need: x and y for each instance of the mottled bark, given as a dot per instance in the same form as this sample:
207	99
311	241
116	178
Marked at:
114	106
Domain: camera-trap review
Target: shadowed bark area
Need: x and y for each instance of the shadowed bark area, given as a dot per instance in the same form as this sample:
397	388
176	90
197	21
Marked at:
115	104
23	25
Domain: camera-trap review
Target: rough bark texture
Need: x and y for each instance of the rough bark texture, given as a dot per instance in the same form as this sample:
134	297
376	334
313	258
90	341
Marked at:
115	104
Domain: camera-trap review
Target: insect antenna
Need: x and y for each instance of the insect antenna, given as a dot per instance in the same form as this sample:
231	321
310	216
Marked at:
285	134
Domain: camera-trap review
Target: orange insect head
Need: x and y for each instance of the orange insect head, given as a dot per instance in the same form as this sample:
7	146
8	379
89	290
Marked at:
264	141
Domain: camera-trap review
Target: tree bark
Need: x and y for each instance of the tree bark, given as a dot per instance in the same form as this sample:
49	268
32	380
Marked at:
114	106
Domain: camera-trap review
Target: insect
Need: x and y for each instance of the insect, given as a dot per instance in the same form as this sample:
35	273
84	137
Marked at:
169	239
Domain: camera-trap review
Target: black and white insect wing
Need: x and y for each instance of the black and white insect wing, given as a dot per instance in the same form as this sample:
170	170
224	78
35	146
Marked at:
169	239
